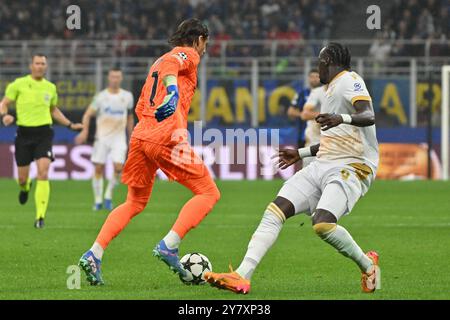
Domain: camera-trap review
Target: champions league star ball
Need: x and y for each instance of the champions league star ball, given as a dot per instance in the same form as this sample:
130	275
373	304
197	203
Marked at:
196	265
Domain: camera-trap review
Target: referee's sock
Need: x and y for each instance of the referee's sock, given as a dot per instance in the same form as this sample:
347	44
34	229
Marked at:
41	196
26	186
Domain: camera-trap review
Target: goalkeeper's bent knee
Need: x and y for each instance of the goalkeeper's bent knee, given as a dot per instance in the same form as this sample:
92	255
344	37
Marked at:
214	194
138	206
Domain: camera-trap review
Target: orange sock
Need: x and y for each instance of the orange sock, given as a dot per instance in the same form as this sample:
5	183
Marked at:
196	209
117	220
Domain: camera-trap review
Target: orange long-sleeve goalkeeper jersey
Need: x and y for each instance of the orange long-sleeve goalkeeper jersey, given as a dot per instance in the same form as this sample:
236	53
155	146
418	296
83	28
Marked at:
181	62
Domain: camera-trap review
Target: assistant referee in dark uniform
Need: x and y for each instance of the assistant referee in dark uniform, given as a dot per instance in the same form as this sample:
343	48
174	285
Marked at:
36	104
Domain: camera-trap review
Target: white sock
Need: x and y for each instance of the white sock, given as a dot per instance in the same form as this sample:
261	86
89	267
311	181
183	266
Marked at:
172	240
110	187
263	238
97	186
344	243
97	250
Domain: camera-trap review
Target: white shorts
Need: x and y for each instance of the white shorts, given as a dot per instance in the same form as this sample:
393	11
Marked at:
307	190
306	161
116	149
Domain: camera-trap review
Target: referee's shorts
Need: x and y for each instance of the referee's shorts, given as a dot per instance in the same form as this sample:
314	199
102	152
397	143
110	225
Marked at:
33	143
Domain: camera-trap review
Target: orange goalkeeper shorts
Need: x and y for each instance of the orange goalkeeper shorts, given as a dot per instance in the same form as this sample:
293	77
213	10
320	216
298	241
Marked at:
178	162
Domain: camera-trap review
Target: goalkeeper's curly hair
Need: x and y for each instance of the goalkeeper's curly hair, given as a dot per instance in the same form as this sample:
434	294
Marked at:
339	55
188	32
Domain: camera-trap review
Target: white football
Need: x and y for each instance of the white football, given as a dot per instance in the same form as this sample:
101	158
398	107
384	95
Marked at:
196	265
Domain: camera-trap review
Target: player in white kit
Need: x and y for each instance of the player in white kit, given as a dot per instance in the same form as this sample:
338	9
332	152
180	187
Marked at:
311	110
328	188
113	110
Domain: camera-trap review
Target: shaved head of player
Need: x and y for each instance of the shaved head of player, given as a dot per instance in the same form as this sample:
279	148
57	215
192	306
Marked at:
329	187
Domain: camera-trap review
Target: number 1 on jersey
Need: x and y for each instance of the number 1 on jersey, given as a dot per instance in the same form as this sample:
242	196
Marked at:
155	84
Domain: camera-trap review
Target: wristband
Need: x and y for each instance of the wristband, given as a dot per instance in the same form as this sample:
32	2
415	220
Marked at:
172	88
170	80
304	152
346	118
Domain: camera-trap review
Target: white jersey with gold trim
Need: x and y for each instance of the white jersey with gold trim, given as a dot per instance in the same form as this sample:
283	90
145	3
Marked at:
347	143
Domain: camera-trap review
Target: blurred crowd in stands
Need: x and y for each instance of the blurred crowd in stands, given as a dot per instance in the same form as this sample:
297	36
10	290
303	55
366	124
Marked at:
414	20
143	19
247	19
124	20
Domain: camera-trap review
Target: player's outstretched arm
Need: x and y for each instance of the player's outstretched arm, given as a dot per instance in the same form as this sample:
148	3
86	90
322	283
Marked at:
86	120
308	113
287	157
7	119
61	118
363	117
293	112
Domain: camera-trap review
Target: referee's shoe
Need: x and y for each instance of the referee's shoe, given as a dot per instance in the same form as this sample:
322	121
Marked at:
23	194
39	223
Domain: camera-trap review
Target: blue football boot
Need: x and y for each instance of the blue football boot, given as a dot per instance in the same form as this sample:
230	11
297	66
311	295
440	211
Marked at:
108	204
169	257
92	267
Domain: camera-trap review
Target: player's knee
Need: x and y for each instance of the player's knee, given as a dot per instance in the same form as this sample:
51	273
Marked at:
212	192
323	222
99	170
138	206
118	169
321	215
286	207
42	174
216	194
136	203
275	210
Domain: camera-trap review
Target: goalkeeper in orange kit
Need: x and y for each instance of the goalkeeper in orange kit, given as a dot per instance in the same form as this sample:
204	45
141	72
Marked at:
159	141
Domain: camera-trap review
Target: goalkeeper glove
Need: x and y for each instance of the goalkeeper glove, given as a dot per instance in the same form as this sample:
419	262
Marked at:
169	104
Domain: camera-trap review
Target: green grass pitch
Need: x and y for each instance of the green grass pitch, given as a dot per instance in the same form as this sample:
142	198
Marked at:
408	223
